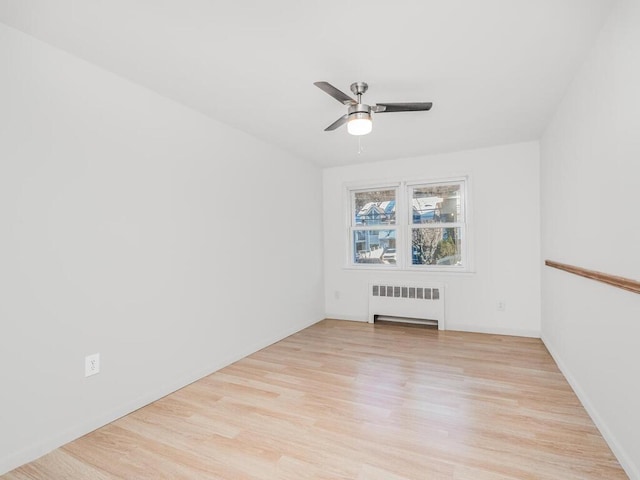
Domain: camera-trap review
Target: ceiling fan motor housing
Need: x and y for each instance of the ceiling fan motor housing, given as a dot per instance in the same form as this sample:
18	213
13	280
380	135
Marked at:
359	110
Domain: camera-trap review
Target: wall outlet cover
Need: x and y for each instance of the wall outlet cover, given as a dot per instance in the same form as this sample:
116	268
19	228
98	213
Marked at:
91	364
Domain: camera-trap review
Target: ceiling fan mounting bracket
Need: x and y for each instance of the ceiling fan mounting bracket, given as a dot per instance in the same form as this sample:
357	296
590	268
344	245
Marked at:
359	88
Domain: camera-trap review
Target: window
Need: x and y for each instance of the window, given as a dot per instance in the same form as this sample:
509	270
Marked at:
373	226
410	226
437	223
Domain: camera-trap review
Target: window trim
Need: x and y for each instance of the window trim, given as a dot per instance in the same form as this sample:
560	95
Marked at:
404	225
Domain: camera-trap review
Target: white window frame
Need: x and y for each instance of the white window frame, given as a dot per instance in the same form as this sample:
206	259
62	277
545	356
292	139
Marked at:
462	225
404	224
352	228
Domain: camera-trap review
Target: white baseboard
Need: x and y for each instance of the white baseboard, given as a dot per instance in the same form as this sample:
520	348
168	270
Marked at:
454	327
623	458
514	332
47	445
350	318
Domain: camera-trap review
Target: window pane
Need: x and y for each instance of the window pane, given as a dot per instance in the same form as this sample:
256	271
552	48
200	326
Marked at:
376	207
437	203
436	246
374	246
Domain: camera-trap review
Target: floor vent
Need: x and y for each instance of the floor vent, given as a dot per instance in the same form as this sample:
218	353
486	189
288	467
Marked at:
407	303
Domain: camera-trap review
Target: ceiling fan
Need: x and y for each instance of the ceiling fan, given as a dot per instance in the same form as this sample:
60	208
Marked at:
358	116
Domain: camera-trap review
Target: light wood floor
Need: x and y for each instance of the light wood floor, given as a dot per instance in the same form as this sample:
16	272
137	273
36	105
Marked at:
345	400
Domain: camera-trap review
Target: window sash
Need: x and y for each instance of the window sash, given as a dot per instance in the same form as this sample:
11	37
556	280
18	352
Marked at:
383	260
461	184
383	226
463	242
352	205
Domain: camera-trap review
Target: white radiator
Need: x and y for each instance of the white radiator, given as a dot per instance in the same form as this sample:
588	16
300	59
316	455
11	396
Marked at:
412	303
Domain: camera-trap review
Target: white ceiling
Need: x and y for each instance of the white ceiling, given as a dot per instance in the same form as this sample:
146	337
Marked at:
494	69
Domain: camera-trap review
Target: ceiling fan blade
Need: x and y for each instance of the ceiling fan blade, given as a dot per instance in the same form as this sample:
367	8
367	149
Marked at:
338	123
402	107
335	93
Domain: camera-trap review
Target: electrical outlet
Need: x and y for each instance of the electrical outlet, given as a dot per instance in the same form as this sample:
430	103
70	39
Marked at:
91	364
501	306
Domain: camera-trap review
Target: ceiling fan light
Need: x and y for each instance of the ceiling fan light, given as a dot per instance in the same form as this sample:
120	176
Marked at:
359	123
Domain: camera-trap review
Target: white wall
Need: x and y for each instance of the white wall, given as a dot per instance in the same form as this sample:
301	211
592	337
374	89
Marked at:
137	228
504	201
590	181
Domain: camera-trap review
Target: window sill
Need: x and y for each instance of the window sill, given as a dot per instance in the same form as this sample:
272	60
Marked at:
412	271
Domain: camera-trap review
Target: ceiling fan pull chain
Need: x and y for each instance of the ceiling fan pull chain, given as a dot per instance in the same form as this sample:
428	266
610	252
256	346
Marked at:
360	149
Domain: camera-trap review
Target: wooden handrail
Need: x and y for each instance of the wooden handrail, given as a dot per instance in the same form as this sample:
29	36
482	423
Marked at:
620	282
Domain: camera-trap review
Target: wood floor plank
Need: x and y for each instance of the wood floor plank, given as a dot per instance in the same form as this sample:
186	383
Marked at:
354	401
63	465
